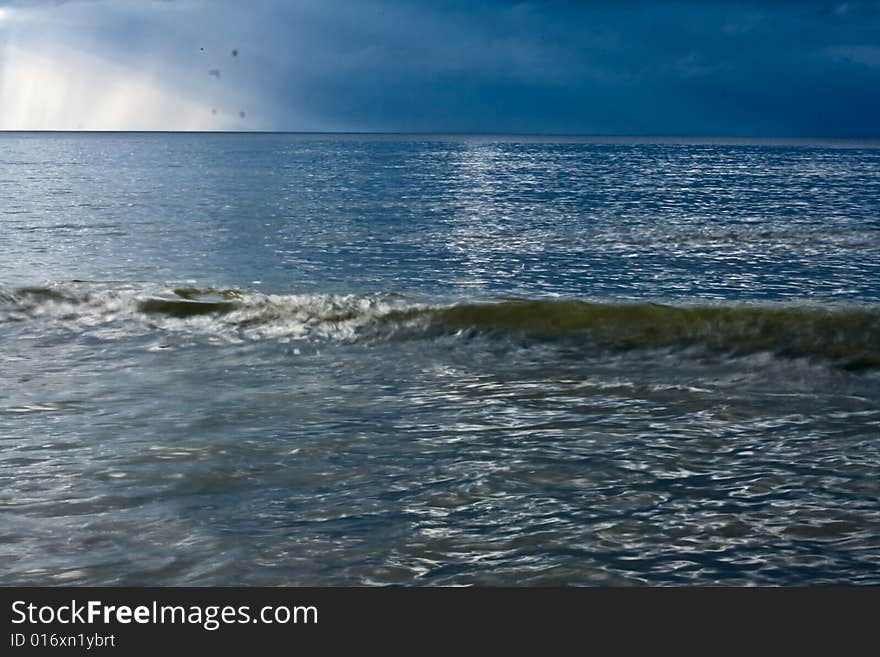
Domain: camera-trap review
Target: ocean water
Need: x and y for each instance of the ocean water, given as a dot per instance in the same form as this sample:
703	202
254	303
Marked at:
428	360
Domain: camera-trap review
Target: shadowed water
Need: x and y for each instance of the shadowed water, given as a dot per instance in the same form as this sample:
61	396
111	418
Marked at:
282	360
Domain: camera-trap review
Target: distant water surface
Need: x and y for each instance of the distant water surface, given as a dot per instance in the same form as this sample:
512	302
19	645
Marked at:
367	359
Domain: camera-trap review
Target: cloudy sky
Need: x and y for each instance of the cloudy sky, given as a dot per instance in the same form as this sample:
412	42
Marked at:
687	67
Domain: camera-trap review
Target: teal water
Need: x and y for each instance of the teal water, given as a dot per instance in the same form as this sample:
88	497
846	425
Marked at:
334	360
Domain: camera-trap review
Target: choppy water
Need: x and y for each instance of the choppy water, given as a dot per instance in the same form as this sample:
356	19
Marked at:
283	360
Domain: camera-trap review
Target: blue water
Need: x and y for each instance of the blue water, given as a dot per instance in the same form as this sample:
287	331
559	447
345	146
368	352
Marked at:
346	359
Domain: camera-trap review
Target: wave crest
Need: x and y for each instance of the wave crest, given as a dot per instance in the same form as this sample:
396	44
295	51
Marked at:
846	335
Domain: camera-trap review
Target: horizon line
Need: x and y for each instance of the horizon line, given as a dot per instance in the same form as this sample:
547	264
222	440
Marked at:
432	133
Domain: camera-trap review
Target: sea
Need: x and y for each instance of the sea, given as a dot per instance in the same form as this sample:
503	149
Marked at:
342	359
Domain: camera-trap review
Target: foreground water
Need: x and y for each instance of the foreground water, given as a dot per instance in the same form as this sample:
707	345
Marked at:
283	360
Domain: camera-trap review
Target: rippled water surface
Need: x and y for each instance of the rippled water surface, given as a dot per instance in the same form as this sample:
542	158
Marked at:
286	360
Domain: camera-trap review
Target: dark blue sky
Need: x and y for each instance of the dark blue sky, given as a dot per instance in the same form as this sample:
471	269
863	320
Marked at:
781	68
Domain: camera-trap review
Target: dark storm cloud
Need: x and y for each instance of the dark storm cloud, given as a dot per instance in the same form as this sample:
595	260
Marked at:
683	67
783	68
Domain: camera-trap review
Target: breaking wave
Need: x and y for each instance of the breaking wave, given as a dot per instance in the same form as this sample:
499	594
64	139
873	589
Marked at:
848	335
